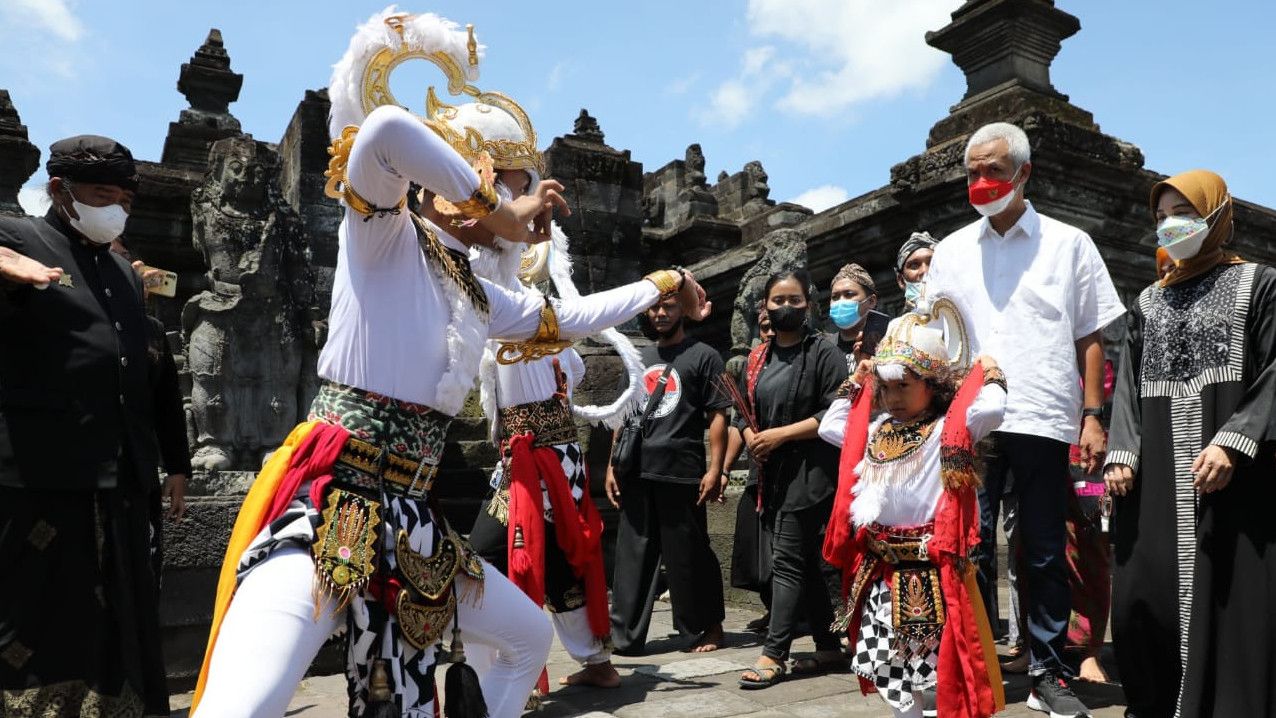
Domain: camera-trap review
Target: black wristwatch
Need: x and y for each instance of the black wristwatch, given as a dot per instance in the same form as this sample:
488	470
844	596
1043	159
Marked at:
1095	411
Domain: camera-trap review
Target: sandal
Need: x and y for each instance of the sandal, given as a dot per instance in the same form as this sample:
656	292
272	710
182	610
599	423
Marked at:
767	676
820	663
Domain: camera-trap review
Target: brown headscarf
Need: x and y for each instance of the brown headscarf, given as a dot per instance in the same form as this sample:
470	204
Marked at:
1162	256
1207	192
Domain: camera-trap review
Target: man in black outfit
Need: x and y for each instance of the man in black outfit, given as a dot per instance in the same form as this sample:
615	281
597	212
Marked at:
665	505
79	626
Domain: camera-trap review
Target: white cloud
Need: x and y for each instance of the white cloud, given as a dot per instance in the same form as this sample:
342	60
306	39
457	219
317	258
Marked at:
822	197
52	16
556	76
40	39
733	100
728	105
756	59
34	200
858	50
682	85
831	55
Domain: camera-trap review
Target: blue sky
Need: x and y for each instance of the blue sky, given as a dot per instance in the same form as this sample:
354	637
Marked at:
828	94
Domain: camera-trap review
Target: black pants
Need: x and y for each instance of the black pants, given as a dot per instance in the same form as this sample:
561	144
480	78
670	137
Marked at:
654	516
563	592
800	580
79	611
1042	485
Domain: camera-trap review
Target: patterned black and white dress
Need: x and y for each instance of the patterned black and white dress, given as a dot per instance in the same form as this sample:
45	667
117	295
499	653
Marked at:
1195	575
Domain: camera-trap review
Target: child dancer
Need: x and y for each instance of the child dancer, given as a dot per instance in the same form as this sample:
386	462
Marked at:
906	518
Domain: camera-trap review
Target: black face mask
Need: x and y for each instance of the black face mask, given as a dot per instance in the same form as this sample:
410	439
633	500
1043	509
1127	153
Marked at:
787	318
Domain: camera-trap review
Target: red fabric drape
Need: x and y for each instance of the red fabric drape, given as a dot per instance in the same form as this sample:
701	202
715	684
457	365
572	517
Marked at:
312	461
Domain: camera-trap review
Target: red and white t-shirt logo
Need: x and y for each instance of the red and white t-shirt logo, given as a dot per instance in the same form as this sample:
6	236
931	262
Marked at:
673	389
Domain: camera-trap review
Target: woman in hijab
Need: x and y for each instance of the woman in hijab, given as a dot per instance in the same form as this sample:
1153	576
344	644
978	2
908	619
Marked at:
1193	469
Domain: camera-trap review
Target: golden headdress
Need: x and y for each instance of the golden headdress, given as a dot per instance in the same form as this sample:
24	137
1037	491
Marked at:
491	130
924	340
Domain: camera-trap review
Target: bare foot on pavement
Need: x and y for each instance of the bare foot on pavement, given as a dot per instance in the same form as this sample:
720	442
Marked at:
710	640
598	675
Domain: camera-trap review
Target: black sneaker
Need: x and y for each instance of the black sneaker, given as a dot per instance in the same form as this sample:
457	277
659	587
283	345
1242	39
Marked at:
928	704
1050	694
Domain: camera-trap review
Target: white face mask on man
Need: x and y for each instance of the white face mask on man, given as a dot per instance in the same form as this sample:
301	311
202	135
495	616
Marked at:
99	225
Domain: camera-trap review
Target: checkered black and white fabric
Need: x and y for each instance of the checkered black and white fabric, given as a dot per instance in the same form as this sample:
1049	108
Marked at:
573	461
896	678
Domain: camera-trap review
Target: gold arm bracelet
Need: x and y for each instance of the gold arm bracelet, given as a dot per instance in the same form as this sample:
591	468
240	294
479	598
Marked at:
995	376
545	343
483	202
667	281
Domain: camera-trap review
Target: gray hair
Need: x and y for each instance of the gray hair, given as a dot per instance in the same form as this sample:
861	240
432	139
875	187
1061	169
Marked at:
1020	150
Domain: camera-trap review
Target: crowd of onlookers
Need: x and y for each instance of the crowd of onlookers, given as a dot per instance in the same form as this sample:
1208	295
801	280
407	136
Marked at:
883	453
1192	382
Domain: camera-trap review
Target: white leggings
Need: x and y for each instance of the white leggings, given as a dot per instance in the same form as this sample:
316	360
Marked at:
269	638
914	712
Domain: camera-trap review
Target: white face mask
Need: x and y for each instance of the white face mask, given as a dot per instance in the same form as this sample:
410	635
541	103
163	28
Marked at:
1183	237
99	224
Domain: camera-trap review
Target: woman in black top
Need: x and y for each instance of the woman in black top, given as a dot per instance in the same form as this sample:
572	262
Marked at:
789	383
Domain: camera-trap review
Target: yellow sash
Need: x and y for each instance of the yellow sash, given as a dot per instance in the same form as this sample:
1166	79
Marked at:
252	516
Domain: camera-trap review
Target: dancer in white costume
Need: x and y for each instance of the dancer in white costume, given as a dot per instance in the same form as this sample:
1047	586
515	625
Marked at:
340	530
556	560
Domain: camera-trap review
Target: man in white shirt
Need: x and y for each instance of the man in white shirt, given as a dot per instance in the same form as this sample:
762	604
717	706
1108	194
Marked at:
1036	295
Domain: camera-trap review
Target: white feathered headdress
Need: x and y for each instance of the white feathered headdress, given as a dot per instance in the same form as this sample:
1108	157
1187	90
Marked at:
488	125
361	79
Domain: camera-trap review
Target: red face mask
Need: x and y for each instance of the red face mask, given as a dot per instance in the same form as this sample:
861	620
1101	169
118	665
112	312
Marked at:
986	190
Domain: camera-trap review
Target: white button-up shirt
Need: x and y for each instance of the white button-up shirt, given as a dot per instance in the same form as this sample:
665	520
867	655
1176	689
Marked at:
1027	297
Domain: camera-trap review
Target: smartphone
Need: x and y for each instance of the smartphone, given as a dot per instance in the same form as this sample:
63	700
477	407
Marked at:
874	329
163	284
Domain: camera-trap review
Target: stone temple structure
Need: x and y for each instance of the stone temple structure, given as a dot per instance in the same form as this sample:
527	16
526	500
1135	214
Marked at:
246	226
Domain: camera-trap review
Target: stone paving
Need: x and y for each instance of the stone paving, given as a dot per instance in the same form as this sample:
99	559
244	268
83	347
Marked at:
671	684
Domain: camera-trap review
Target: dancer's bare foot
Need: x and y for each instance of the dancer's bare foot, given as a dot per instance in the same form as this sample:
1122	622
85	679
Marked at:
597	675
710	640
1092	670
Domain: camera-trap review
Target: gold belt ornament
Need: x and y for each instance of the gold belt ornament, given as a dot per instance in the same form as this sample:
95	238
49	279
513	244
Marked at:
344	547
424	624
403	474
432	576
895	551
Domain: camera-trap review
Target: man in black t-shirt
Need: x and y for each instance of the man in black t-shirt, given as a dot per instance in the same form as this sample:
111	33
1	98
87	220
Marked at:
665	505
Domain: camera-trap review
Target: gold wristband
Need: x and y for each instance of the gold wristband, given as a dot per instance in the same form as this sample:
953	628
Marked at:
483	202
667	281
995	376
